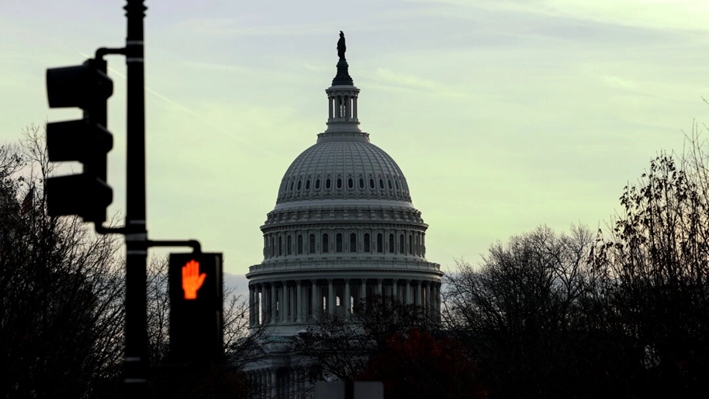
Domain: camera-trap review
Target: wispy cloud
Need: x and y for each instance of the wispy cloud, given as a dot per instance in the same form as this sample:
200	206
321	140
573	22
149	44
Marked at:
410	82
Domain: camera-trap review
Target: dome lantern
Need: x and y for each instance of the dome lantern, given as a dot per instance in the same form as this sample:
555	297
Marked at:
342	97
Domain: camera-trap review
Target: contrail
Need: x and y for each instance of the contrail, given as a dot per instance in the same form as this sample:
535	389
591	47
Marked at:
174	103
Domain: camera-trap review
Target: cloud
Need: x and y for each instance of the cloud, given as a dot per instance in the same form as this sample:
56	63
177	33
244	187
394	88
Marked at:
409	82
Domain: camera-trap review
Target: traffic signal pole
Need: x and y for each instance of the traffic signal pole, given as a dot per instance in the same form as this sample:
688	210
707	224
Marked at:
136	233
88	141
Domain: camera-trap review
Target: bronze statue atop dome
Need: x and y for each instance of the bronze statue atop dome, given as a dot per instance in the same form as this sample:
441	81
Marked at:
341	47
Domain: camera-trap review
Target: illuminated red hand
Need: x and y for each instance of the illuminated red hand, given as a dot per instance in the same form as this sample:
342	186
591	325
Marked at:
191	279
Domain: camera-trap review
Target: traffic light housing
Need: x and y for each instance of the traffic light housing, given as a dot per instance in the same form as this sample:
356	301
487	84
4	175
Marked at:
196	319
87	140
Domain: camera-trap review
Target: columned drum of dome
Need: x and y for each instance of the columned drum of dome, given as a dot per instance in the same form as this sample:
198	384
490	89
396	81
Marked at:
343	229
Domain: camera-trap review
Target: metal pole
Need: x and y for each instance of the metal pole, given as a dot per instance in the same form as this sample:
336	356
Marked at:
136	351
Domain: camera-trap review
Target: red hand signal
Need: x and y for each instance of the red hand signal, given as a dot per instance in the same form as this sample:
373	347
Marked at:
191	279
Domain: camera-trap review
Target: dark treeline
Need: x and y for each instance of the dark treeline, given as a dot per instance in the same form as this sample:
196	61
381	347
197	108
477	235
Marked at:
622	313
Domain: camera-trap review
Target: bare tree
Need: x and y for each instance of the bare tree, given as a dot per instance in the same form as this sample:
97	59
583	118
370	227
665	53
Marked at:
657	260
532	315
61	313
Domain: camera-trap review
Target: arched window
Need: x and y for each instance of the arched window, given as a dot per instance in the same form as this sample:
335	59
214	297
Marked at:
327	184
353	242
381	184
312	243
299	184
411	245
339	183
317	184
289	244
350	183
361	183
388	181
307	184
371	183
291	186
401	244
380	243
280	245
367	243
300	244
397	184
338	242
391	243
325	243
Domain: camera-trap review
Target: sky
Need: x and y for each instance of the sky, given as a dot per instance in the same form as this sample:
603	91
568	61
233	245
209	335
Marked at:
503	115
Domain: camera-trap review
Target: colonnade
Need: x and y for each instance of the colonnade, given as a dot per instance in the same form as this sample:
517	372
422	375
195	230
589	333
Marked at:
299	301
276	383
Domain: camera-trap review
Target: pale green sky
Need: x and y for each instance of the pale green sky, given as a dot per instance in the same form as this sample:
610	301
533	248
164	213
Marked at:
503	115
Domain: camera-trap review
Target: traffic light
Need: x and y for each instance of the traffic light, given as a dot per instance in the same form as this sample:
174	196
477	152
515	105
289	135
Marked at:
86	140
196	320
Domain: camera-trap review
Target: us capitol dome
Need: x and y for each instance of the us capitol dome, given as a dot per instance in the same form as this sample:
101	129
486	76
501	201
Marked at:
343	229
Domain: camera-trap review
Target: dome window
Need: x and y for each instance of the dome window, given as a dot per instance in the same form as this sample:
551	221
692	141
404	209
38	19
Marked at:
371	183
317	184
353	242
289	245
401	244
381	184
291	186
311	242
380	243
367	243
300	244
361	183
339	242
389	181
325	243
299	185
307	184
327	184
350	183
391	243
397	184
339	183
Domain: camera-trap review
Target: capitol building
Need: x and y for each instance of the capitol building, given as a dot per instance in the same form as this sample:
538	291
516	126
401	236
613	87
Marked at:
343	229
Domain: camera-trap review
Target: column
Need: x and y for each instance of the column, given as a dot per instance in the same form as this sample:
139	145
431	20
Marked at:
330	298
363	290
379	287
293	305
418	293
395	290
300	302
438	302
251	305
347	302
315	298
273	383
408	292
273	304
285	302
257	306
264	304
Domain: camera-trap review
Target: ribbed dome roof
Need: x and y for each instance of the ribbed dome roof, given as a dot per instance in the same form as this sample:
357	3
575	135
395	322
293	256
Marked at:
343	166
